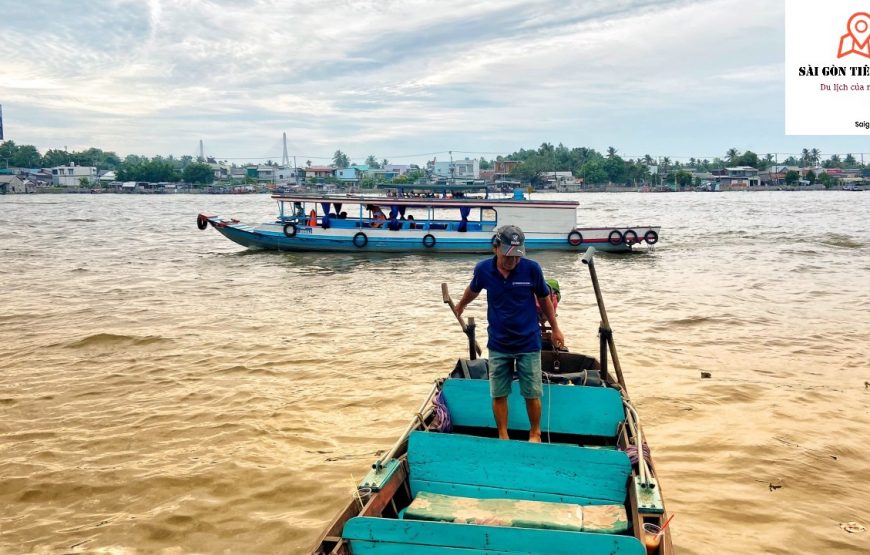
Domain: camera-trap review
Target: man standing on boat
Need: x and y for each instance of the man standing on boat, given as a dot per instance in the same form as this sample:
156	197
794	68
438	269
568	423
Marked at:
512	282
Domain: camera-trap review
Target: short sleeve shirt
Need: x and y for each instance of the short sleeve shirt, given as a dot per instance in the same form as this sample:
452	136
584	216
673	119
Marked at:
511	311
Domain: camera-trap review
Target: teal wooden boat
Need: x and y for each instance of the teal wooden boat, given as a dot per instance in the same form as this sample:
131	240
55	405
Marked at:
450	486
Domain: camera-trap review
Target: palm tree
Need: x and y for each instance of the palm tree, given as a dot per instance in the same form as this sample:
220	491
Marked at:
805	157
340	159
815	155
308	163
648	160
732	154
611	152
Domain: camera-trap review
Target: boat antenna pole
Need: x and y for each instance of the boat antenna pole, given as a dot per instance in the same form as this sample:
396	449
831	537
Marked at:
604	329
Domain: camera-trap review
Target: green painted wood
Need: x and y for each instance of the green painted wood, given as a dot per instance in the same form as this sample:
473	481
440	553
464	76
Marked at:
481	492
361	547
519	466
489	539
589	411
377	479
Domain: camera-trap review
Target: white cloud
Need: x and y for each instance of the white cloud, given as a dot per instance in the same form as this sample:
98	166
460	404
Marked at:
392	77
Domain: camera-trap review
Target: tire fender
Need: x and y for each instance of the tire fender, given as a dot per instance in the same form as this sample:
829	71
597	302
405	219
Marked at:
360	240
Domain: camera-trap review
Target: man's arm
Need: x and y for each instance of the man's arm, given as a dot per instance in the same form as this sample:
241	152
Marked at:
467	297
550	315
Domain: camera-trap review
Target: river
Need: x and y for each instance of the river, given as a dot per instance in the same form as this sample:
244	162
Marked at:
166	390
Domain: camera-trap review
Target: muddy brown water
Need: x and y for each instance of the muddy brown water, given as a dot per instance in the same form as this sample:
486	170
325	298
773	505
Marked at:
165	390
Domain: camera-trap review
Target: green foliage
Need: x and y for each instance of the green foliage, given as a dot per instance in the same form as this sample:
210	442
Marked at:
791	177
827	180
748	158
811	177
415	175
614	166
683	179
593	173
372	162
198	173
24	156
484	165
134	168
340	159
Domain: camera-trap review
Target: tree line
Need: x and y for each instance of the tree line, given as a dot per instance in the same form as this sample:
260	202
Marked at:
599	168
131	168
593	166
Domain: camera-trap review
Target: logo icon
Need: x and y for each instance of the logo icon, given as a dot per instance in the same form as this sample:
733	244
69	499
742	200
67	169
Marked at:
857	40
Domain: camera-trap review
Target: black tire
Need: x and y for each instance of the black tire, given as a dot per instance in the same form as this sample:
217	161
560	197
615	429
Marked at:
575	238
429	240
201	222
615	237
290	230
630	237
360	240
651	237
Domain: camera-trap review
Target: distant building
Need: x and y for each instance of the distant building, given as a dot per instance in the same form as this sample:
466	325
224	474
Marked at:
738	177
260	173
285	174
468	168
397	169
71	176
319	171
349	176
502	170
557	179
16	184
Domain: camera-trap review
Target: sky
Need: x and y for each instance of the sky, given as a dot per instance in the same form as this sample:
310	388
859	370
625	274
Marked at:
408	81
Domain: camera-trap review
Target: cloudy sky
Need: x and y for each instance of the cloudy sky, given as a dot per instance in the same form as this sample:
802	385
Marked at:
400	79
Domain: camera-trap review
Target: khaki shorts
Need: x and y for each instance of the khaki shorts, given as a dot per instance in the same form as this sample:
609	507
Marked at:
528	369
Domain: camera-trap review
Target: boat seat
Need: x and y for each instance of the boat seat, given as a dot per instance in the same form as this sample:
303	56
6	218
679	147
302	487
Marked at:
608	519
489	468
387	536
579	410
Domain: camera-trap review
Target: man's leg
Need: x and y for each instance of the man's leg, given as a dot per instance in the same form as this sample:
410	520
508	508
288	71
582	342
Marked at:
501	368
533	407
529	371
500	411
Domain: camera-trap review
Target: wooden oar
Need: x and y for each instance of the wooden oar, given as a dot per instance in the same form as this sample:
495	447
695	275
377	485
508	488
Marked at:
605	324
449	302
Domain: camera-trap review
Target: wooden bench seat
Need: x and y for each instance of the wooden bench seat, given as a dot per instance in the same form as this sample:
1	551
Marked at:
566	409
607	519
385	536
487	468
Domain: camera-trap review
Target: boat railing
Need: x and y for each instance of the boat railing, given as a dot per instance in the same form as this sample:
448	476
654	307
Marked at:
372	223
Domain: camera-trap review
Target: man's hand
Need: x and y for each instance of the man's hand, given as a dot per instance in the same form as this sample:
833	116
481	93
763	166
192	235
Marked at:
558	338
467	296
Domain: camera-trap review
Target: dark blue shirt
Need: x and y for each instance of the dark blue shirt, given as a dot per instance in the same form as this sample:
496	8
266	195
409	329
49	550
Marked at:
511	311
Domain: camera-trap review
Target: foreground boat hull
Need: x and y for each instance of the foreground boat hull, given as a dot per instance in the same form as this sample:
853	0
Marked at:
271	236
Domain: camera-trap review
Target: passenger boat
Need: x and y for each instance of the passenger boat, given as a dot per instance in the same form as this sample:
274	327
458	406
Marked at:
449	485
402	223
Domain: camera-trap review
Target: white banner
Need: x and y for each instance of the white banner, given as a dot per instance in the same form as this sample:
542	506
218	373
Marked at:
827	67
